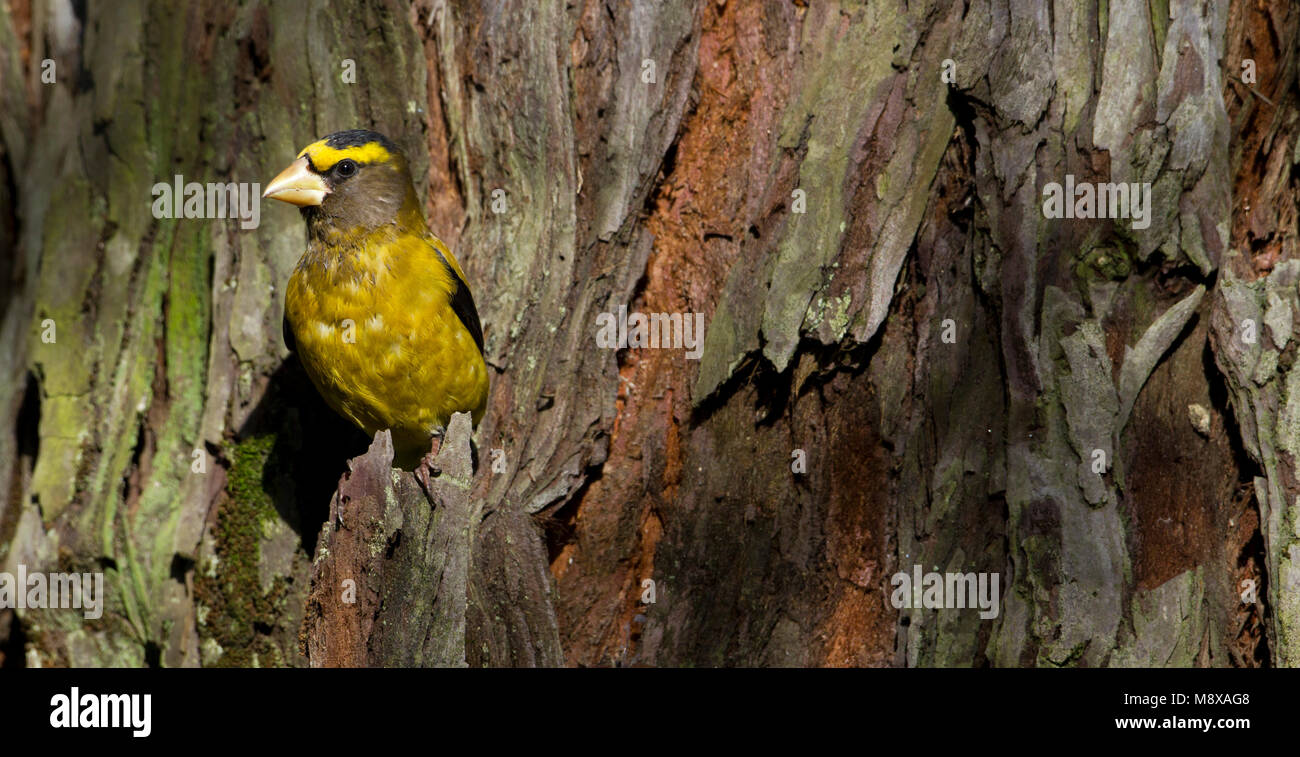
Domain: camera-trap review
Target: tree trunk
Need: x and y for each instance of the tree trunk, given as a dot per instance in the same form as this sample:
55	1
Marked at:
905	363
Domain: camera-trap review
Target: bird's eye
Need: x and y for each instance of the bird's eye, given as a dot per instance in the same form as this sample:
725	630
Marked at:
346	168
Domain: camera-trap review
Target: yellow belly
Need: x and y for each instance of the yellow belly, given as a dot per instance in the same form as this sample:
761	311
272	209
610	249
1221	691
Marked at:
377	336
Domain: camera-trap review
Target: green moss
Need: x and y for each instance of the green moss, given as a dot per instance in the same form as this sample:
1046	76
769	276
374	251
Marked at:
1109	263
238	614
1072	657
1160	25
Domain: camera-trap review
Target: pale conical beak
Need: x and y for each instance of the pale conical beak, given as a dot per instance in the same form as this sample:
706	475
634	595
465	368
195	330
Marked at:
297	185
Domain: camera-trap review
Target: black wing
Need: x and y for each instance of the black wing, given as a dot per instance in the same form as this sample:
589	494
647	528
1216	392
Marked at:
287	333
462	304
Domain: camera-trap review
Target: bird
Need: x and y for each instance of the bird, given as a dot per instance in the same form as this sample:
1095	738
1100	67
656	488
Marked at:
377	308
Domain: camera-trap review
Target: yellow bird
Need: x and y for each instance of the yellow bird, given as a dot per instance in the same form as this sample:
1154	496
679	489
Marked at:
377	308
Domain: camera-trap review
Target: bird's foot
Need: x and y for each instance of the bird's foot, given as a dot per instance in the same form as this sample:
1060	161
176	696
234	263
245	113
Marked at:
426	471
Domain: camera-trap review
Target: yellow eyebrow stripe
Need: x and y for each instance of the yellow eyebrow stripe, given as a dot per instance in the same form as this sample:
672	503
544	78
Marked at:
323	157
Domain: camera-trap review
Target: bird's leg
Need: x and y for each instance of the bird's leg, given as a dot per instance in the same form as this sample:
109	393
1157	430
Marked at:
426	470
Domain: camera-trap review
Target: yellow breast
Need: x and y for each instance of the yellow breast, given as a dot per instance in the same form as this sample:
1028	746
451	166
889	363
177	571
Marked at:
376	332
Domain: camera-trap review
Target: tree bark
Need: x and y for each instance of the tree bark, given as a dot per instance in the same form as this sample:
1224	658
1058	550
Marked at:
802	175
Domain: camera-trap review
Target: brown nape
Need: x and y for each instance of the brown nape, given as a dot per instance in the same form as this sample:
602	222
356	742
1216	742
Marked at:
378	195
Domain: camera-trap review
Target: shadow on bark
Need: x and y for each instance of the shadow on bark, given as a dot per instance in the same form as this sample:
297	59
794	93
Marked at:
311	447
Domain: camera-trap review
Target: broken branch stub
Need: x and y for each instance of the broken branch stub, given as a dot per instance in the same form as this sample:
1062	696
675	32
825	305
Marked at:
391	576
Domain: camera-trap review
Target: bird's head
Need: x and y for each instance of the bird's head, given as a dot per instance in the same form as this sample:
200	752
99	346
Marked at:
351	182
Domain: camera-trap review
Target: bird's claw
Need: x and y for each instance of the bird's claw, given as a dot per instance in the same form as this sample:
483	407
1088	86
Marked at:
426	471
